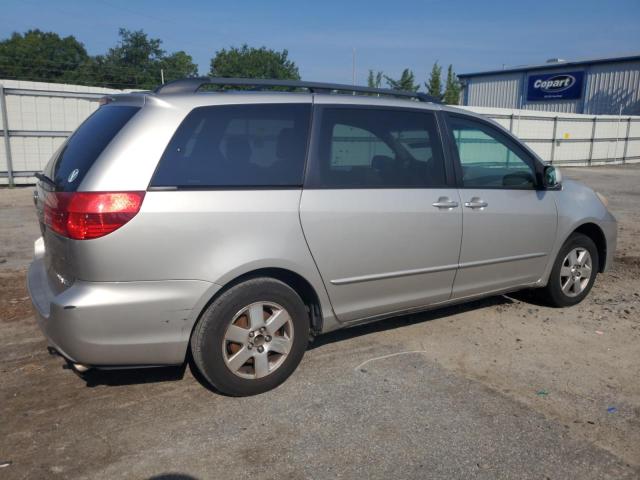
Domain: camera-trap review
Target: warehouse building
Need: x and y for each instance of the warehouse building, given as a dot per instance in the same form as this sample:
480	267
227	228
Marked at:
598	86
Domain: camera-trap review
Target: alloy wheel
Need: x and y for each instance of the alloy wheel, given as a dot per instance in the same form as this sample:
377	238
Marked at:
576	272
258	340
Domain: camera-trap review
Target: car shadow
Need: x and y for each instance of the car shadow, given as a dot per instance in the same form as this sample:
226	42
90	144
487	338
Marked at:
134	376
173	476
406	320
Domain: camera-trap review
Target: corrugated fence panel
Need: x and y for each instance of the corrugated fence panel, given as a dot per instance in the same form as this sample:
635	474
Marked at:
633	148
3	157
572	128
533	129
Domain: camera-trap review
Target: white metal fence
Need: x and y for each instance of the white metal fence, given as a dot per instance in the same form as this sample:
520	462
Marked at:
572	139
36	117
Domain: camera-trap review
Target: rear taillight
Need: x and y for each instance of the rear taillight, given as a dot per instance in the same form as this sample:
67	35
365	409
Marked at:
87	215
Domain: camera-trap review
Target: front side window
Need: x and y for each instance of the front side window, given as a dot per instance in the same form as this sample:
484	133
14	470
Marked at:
377	148
237	146
487	158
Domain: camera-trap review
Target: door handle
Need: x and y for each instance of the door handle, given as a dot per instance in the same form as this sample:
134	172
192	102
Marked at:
475	202
445	202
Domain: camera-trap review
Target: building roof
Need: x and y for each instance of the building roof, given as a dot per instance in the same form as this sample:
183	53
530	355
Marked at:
551	65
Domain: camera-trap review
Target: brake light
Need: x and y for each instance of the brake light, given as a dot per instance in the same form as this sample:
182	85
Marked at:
87	215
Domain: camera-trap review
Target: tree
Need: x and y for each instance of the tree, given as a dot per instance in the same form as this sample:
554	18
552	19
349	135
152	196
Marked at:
41	56
178	65
249	62
375	79
136	62
452	88
434	84
406	82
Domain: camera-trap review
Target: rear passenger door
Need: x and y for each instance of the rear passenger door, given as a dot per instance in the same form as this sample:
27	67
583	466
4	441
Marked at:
509	223
381	218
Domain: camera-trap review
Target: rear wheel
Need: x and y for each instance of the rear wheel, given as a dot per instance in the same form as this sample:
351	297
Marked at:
251	338
574	272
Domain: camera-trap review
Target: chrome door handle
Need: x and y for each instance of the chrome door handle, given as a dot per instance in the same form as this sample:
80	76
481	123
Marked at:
444	202
475	202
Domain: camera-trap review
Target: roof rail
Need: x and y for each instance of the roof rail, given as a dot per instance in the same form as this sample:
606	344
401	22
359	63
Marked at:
192	85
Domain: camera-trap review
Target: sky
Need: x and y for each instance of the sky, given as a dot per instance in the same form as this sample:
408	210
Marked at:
320	36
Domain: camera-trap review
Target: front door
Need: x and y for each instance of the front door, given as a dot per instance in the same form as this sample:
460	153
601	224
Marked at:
381	218
509	224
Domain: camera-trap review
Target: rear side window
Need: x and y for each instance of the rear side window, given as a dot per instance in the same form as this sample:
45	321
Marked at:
377	148
74	159
237	146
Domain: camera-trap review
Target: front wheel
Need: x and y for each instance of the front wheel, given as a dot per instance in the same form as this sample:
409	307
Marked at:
251	338
574	272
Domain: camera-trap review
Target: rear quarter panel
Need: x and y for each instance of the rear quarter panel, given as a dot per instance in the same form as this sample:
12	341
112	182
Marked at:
214	236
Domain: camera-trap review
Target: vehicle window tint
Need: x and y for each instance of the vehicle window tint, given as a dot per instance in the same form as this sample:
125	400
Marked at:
373	148
236	146
487	159
86	144
353	147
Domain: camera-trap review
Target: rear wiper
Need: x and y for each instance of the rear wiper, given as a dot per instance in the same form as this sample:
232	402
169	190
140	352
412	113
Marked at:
42	177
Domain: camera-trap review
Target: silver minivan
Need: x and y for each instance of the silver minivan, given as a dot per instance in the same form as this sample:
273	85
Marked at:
230	226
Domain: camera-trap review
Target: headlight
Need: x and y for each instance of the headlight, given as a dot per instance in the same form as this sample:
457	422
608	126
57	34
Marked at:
603	199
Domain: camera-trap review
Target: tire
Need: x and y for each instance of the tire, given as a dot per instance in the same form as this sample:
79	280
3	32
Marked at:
228	332
554	294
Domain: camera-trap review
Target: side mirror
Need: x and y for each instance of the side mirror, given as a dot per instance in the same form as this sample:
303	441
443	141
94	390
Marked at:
552	177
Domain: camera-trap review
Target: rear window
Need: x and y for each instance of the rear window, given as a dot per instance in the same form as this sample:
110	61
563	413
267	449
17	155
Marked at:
237	146
74	159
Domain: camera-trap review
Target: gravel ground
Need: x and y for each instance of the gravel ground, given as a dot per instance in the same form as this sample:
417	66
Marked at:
499	388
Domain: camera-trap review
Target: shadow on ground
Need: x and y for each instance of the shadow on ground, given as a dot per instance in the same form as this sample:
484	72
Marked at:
406	320
133	376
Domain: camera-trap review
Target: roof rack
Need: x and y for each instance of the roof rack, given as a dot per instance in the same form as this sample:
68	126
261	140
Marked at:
192	85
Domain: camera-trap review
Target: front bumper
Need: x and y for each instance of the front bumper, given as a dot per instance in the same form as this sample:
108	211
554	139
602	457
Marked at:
114	324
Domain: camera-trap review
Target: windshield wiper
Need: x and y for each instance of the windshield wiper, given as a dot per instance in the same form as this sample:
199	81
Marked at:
42	177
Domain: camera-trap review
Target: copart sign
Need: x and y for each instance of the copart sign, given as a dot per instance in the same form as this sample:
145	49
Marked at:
555	86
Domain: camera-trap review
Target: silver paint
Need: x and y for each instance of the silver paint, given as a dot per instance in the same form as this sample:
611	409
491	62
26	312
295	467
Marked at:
133	296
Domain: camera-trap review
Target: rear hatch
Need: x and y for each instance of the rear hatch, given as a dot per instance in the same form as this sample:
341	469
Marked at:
62	178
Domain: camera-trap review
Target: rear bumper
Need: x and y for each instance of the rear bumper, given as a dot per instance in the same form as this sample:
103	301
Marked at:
118	323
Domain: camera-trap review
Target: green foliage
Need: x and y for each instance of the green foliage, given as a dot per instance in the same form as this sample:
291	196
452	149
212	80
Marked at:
374	80
434	84
135	62
249	62
178	65
452	88
406	82
41	56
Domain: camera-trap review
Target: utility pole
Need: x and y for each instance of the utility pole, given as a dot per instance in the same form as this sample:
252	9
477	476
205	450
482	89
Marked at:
162	76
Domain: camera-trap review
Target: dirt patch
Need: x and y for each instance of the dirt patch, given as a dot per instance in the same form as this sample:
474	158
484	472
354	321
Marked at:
14	299
628	262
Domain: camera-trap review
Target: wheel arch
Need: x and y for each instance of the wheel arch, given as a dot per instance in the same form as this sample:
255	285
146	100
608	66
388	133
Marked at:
297	282
595	233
